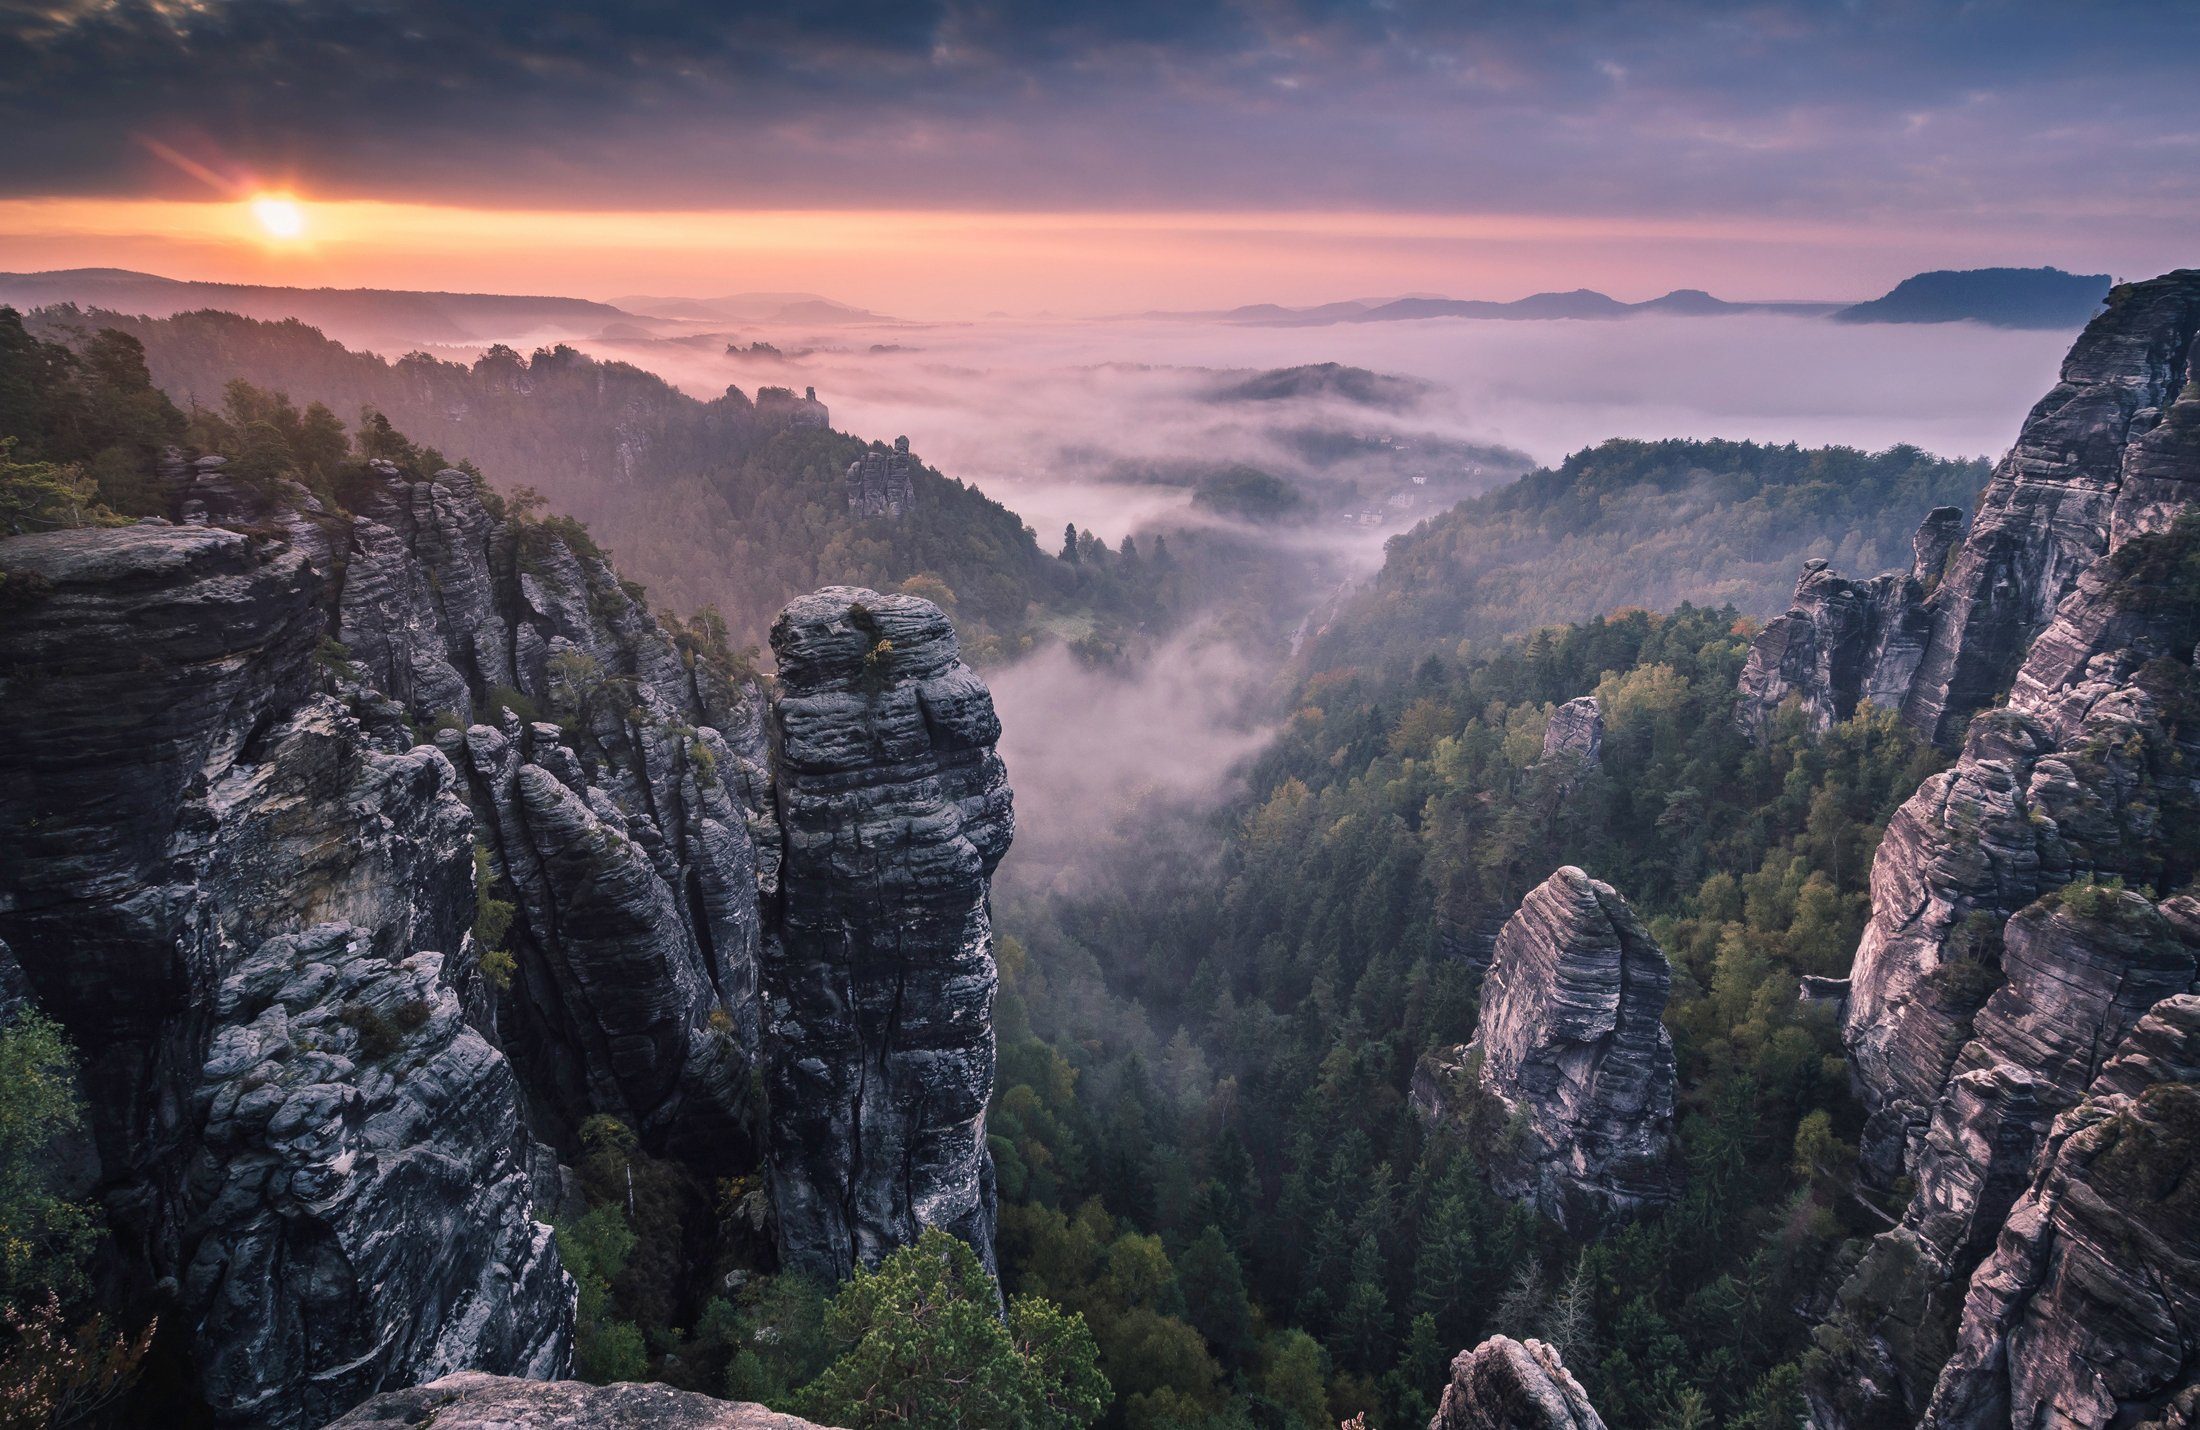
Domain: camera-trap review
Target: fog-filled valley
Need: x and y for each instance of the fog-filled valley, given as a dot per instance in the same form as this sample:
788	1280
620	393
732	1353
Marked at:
1234	875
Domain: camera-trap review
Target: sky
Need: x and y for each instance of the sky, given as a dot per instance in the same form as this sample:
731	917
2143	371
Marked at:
956	157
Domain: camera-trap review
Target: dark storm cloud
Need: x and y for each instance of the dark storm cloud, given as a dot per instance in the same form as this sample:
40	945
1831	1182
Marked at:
1681	106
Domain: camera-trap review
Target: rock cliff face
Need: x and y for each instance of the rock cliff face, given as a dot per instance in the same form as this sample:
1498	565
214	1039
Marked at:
1503	1384
235	866
878	975
472	1401
2111	453
251	915
2088	1311
1575	733
880	484
2023	929
1571	1051
1844	642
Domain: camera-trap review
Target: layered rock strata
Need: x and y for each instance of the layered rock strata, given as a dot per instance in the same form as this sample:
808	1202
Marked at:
1575	734
2109	454
1842	643
882	484
269	783
878	973
472	1401
1504	1384
1571	1052
251	915
2024	929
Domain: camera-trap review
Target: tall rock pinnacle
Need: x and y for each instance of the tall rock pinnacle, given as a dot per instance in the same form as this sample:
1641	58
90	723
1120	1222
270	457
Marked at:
878	973
1571	1050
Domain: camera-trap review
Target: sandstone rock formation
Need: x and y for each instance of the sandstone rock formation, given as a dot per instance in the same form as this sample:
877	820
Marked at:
1575	733
1504	1384
878	975
1844	642
2006	960
2109	454
2088	1311
262	780
1571	1051
472	1401
246	913
881	484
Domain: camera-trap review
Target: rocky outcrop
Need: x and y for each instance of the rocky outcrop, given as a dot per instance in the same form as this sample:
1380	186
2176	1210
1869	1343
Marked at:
2079	972
1574	734
1504	1384
473	1401
1842	643
251	914
632	834
882	484
878	971
2088	1312
2111	453
2020	931
261	785
1571	1051
805	413
2086	772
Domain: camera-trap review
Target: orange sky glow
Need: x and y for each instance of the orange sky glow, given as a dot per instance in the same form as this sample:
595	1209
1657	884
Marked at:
933	264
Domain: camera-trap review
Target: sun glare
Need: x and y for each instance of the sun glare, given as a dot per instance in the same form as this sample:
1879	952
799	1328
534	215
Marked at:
279	216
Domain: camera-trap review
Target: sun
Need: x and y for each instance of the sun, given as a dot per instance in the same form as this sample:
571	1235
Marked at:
279	215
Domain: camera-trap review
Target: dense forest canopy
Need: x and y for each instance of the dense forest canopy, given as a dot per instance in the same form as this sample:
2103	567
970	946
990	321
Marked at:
1651	524
729	504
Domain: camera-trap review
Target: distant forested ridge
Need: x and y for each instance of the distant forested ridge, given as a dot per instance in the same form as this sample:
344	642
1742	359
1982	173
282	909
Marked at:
1998	297
736	503
1635	523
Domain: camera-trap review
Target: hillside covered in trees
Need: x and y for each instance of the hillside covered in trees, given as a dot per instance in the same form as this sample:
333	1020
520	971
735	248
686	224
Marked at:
739	503
1650	524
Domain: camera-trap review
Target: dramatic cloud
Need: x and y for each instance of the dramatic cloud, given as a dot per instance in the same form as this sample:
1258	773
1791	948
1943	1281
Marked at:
1970	112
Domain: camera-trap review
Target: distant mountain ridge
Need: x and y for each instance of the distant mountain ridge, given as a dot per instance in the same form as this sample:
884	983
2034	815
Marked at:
364	316
750	308
2001	297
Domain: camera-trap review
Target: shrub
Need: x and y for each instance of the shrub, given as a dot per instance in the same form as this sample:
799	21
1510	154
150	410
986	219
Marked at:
379	1038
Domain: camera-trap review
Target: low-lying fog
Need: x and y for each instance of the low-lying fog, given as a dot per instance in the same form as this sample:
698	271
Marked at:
1067	421
1031	410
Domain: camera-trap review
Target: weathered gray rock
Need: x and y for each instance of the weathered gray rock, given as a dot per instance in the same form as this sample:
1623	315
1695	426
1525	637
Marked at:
2078	975
1571	1050
2087	1314
231	867
217	882
634	834
878	970
881	484
1575	733
1504	1384
1842	643
472	1401
1983	1006
2085	771
2103	457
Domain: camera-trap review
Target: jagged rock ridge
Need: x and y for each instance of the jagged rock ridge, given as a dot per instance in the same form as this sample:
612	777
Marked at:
2109	454
234	868
1844	642
2006	960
